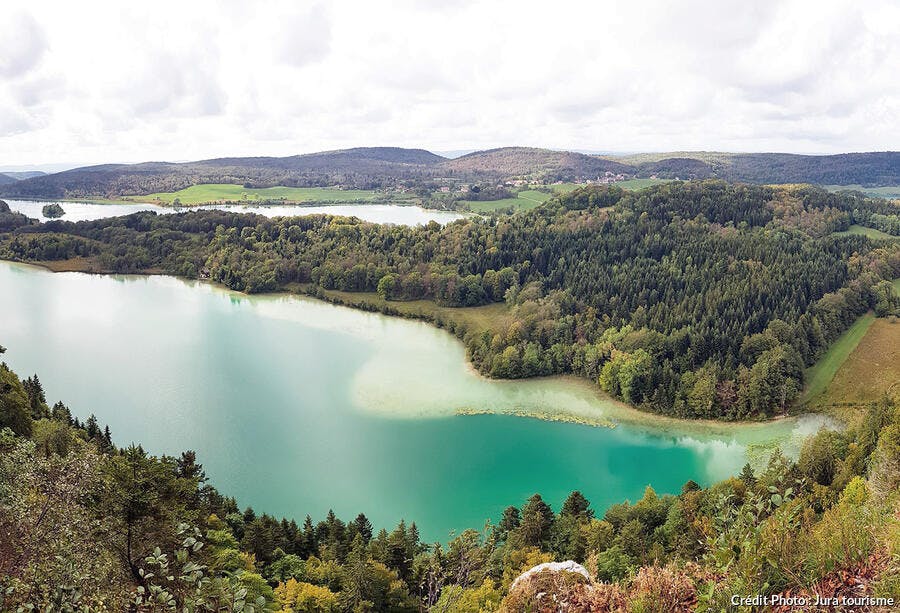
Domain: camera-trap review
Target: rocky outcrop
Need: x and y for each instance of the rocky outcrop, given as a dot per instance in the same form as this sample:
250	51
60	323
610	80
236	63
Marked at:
568	566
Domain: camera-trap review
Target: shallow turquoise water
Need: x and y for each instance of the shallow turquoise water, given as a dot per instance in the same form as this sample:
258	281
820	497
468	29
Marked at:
296	406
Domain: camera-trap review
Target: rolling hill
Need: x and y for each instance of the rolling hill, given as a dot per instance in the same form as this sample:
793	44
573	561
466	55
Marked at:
530	162
381	167
874	169
361	168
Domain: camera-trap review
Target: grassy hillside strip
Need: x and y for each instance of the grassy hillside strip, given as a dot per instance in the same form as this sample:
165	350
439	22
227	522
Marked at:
820	375
870	372
221	192
699	299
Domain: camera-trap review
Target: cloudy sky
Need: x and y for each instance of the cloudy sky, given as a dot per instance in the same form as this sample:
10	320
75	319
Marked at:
87	82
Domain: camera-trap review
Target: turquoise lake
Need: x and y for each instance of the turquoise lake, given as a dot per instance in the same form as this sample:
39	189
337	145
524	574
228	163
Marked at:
407	215
295	406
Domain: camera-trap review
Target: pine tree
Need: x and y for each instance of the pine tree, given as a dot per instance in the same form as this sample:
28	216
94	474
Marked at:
36	397
537	520
747	475
357	592
188	468
398	557
308	544
60	412
508	522
93	429
363	527
576	505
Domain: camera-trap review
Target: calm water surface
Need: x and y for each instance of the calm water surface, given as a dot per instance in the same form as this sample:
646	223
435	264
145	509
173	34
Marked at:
378	213
296	406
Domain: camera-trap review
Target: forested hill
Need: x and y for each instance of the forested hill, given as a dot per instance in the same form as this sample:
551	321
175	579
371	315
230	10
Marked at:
700	299
389	167
361	167
867	169
509	162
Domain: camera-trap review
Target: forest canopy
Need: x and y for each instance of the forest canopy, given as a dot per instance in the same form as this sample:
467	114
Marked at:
700	299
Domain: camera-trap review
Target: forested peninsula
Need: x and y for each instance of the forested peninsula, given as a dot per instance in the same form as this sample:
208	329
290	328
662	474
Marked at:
698	299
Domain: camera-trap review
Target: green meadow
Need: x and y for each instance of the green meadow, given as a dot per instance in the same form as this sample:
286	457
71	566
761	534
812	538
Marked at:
221	192
630	184
820	374
870	232
889	191
524	200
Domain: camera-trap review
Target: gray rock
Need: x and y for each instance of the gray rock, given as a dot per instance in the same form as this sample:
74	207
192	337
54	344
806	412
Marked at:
568	566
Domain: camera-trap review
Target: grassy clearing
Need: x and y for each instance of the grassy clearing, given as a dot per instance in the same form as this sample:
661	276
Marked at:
210	193
476	319
634	184
870	372
630	184
534	195
821	374
870	232
890	191
565	188
524	201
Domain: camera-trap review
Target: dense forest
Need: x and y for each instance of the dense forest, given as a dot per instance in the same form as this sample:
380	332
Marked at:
868	169
700	299
88	526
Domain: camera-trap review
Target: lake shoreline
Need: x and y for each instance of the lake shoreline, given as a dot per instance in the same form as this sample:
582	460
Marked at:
620	412
269	204
396	212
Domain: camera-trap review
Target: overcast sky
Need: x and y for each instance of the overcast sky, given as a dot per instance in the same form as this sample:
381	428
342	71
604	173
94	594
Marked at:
87	82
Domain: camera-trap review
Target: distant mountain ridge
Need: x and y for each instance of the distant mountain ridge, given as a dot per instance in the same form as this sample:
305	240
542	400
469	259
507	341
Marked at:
871	169
379	167
13	176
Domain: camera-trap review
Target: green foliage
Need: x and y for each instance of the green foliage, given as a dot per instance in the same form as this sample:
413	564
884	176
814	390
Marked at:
53	211
766	532
481	599
695	299
15	406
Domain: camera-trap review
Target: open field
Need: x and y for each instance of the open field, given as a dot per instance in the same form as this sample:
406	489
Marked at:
524	200
870	232
820	375
890	191
565	188
476	319
220	192
630	184
633	184
871	371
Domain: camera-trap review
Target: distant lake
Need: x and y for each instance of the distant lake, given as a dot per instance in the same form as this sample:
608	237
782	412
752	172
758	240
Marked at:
296	406
377	213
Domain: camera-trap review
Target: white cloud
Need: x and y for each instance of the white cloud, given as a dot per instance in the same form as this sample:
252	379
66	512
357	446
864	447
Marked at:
109	81
21	44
